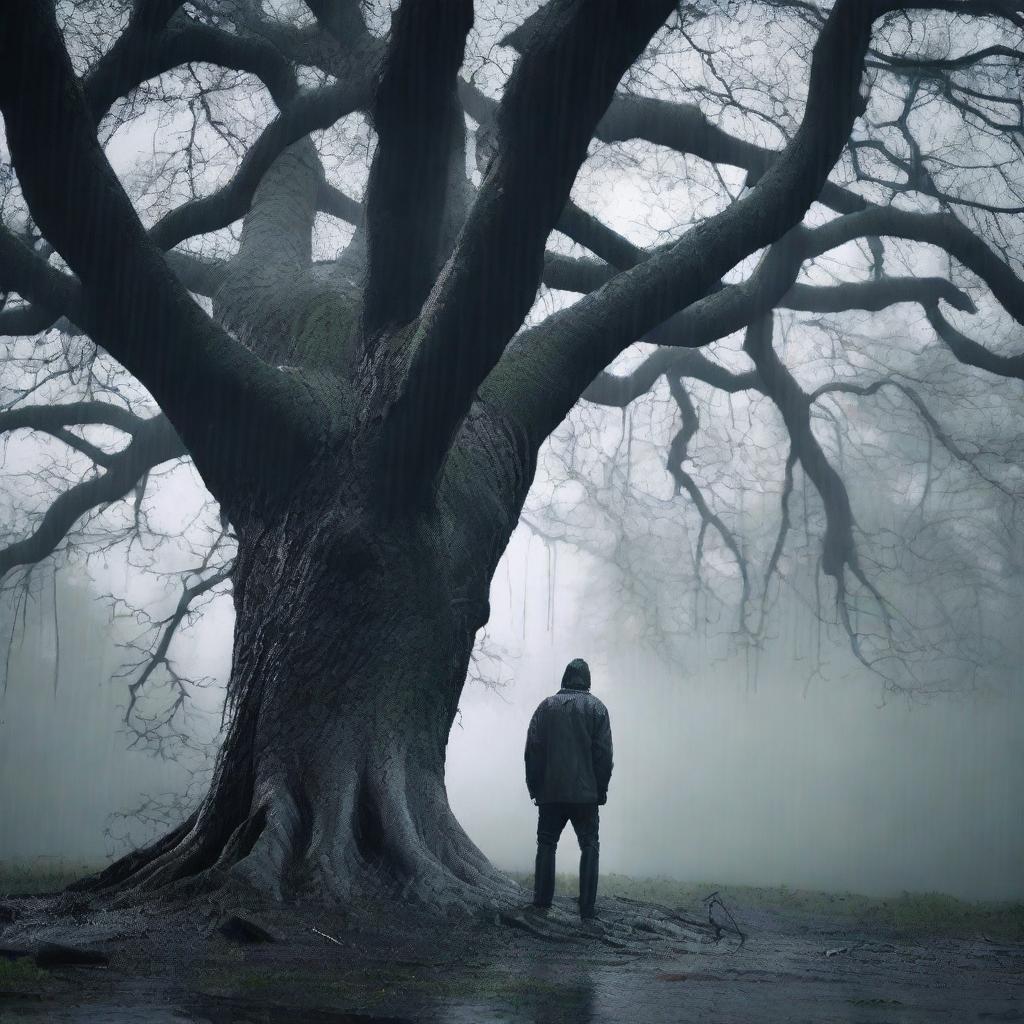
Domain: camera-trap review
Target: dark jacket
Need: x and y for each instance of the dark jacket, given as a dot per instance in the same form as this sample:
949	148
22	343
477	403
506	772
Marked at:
569	749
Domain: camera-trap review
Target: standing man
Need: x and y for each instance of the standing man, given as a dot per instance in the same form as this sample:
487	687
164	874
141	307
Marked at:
568	766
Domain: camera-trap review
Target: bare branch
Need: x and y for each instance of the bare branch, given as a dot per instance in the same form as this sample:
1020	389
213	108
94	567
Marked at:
678	454
129	61
306	113
795	405
876	294
970	352
576	344
619	390
154	441
939	229
153	731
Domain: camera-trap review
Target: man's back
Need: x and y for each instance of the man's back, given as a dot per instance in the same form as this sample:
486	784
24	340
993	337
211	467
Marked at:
569	749
568	767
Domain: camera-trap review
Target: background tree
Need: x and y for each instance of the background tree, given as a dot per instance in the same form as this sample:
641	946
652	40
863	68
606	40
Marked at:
369	423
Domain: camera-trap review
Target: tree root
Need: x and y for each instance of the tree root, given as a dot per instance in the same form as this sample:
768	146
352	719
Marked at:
625	925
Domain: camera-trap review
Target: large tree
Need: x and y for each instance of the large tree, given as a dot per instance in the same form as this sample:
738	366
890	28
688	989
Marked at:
370	424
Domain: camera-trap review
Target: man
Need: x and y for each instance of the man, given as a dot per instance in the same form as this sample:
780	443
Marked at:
568	767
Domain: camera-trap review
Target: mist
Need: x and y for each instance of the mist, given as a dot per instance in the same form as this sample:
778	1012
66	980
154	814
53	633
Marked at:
768	755
727	769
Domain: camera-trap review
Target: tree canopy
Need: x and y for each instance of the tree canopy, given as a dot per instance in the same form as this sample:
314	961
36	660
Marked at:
787	233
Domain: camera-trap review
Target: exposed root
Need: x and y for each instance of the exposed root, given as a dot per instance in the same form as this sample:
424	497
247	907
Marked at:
626	925
375	839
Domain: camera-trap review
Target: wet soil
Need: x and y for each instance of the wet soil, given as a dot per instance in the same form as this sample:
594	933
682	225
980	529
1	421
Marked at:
173	962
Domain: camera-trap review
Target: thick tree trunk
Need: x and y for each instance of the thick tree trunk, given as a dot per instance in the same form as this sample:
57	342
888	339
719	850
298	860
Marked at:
351	649
354	627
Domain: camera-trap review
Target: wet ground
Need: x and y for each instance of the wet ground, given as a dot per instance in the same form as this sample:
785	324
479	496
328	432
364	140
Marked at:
169	966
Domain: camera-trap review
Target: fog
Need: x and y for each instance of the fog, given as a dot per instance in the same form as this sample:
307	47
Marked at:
725	770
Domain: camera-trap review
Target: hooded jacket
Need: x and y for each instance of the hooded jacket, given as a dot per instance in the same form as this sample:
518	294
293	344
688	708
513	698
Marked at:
569	744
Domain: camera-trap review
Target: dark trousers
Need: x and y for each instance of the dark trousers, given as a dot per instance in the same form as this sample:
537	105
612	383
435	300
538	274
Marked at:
550	823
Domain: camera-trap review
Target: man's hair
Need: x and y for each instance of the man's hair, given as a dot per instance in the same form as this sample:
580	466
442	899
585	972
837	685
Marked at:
576	675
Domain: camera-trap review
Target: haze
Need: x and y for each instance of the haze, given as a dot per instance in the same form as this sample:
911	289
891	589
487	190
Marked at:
722	773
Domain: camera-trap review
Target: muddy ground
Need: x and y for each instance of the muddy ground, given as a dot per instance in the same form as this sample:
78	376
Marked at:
823	959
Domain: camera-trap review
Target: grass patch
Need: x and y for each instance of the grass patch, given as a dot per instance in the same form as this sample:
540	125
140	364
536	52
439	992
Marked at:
22	977
908	914
936	913
42	874
369	985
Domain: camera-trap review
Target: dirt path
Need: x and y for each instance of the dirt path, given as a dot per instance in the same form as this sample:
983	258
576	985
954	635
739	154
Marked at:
173	965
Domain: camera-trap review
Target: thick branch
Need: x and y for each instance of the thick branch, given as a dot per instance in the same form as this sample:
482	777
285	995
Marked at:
201	44
333	201
131	59
489	284
583	228
416	114
546	361
875	294
306	113
939	229
686	129
586	230
24	321
570	274
342	18
27	273
573	346
969	352
619	390
197	273
218	395
838	551
53	294
69	414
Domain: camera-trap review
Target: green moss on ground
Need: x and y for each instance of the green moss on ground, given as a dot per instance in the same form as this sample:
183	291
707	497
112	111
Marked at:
22	977
369	986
